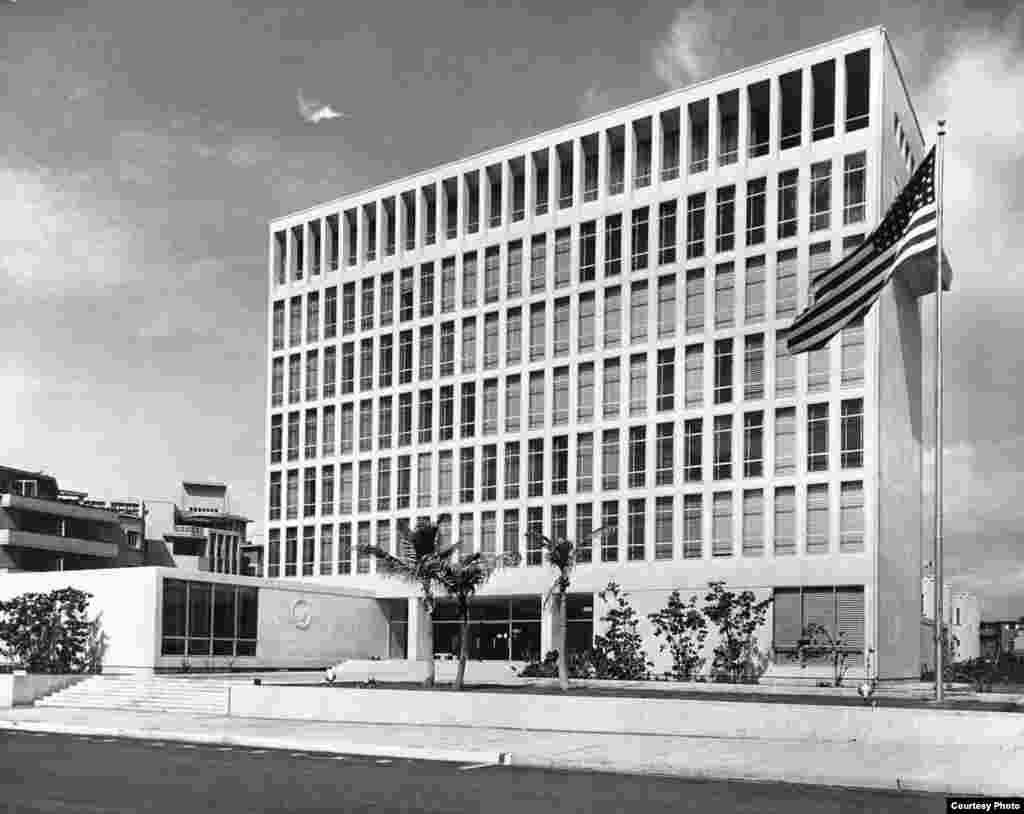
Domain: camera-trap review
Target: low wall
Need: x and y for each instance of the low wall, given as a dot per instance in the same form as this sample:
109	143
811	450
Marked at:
18	690
639	716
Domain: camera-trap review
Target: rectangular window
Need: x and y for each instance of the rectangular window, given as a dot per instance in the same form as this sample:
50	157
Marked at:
723	371
467	410
514	336
667	232
366	319
725	219
853	354
693	527
426	291
405	357
721	525
791	116
565	162
326	549
448	284
514	283
754	291
446	410
469	344
666	305
275	496
753	367
638	384
817	437
488	533
490	407
823	100
404	419
426	423
588	251
753	523
756	209
636	520
561	327
348	308
538	263
348	367
586	329
447	360
695	225
560	465
788	203
277	382
670	146
610	391
855	188
693	448
345	548
612	316
785	284
642	153
424	466
427	353
445	477
818	370
563	258
725	295
852	434
387	299
817	518
637	474
858	90
328	435
560	405
513	403
785	441
294	378
722	462
291	558
385	361
366	364
537	331
310	435
698	135
694	375
362	540
584	462
535	403
666	384
612	245
313	316
785	520
292	495
512	470
610	537
610	459
384	484
638	311
664	454
728	127
293	436
345	489
469	280
759	125
694	301
640	237
276	438
535	468
365	486
753	444
348	425
851	517
534	528
821	195
295	322
590	169
510	543
585	392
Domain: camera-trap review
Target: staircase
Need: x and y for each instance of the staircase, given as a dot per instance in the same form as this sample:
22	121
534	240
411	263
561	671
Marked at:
146	693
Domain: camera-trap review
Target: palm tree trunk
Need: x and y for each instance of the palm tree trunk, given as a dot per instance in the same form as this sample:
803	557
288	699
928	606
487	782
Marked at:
563	656
460	675
428	642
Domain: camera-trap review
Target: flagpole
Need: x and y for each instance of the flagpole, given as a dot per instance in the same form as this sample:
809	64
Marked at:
939	649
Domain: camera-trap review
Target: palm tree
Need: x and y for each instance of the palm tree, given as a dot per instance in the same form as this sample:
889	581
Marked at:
419	560
561	554
461	577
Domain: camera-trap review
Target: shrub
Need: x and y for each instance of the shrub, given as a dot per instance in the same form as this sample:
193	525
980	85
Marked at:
619	654
51	633
581	665
737	617
819	642
684	629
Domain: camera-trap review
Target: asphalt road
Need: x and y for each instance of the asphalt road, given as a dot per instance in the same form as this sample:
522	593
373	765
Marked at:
59	774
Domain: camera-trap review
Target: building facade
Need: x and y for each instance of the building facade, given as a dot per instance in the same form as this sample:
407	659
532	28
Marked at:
961	613
587	328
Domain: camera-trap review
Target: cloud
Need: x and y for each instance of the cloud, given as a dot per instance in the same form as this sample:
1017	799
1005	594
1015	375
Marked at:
696	45
594	100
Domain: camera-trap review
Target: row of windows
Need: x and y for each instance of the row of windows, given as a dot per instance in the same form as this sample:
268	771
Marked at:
767	521
604	389
653	456
573	171
561	272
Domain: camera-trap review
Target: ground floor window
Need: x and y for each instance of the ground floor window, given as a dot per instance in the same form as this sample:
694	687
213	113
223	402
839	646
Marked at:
839	609
204	619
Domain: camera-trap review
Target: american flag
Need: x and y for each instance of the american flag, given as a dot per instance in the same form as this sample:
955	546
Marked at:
846	291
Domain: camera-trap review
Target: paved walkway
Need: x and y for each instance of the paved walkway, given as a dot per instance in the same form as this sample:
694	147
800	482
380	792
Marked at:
948	770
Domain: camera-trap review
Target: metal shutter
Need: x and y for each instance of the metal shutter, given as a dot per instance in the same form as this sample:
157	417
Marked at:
850	605
820	608
787	618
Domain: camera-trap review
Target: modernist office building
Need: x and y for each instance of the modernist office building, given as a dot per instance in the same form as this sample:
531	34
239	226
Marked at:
586	328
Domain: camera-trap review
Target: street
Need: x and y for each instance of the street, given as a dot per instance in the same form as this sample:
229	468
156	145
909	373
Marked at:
92	775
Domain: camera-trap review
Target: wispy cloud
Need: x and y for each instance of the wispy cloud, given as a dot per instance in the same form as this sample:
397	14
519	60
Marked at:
594	100
697	43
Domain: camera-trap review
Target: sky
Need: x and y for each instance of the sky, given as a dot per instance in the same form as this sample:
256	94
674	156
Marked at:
146	145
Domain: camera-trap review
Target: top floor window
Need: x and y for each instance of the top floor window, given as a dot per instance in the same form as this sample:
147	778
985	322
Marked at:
858	90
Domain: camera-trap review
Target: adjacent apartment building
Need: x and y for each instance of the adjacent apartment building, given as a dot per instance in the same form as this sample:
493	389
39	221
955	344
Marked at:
586	328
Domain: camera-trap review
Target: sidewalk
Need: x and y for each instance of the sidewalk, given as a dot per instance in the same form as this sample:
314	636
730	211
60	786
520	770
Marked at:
944	770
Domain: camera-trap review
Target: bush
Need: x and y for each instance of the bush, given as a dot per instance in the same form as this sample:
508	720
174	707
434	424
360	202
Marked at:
581	665
51	633
684	629
619	654
738	618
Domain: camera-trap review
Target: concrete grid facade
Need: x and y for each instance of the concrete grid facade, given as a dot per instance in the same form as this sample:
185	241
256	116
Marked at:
586	328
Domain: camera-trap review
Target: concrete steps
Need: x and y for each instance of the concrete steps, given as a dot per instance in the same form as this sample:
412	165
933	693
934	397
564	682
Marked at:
207	696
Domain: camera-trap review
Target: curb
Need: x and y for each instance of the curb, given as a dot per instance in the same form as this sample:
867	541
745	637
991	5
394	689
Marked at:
283	744
874	782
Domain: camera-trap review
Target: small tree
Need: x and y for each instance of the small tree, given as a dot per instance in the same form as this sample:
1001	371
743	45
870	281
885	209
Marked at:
817	642
461	575
684	629
561	555
619	652
51	632
419	560
738	618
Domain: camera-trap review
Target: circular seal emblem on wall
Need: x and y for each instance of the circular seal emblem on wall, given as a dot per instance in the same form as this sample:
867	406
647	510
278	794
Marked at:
302	614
